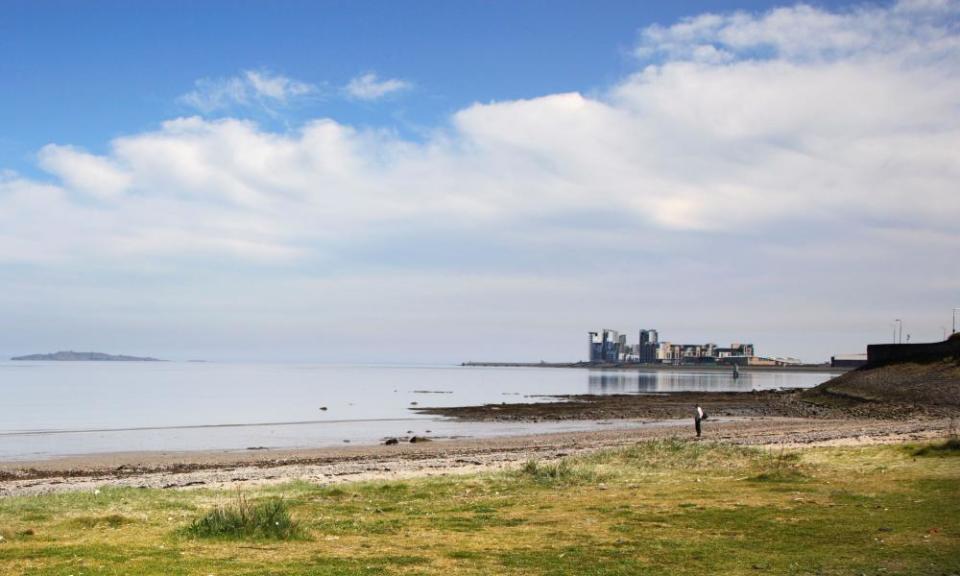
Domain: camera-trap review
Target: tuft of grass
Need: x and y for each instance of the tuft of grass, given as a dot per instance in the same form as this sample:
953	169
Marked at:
779	475
678	454
561	472
110	520
783	468
7	535
950	447
464	555
267	520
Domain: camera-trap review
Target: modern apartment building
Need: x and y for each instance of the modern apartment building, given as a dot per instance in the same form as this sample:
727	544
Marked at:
609	346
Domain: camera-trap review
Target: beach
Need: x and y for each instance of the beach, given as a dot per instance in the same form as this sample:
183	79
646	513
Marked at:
861	407
220	469
857	472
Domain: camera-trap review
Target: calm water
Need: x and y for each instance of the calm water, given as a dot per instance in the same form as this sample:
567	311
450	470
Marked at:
60	408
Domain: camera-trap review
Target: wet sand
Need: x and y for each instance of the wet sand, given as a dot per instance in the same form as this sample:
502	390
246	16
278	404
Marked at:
443	457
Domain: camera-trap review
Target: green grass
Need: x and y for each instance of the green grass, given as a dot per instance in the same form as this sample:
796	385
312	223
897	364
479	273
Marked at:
269	519
657	508
110	520
950	447
553	473
780	475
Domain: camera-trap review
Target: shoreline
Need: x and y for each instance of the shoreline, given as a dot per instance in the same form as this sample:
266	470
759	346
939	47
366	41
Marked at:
793	403
636	367
889	404
167	470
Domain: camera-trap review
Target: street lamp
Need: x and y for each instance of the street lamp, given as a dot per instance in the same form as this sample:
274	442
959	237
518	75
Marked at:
898	331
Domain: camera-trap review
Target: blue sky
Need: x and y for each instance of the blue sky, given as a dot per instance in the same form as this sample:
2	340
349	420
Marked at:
347	181
85	73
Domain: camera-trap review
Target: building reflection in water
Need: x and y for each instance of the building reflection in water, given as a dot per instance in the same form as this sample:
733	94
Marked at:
639	381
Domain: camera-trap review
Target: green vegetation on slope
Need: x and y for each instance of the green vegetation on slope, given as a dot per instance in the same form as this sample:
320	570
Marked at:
659	507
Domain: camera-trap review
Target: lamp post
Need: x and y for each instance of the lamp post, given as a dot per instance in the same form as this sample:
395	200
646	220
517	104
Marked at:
899	331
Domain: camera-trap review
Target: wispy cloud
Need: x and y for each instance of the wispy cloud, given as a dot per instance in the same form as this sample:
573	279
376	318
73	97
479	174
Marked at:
370	87
250	88
804	33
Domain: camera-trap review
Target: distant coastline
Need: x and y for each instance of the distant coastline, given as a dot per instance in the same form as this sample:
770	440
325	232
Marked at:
71	356
669	367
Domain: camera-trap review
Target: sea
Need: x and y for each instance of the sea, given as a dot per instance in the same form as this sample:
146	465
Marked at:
51	409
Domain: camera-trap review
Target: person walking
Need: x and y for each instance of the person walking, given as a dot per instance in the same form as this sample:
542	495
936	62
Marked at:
698	415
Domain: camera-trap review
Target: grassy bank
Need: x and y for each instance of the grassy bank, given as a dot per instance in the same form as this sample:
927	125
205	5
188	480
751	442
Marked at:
932	386
660	507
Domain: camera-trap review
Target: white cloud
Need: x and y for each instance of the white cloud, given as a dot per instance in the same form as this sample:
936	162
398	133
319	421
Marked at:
370	87
912	28
90	174
276	87
250	88
732	145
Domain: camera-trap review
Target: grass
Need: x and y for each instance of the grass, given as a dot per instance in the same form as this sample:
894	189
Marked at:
269	519
660	507
553	473
950	447
110	520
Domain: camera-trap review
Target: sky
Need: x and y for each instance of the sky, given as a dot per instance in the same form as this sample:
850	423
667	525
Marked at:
436	182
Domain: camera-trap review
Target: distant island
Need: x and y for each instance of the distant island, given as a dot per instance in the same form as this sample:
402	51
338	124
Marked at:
71	356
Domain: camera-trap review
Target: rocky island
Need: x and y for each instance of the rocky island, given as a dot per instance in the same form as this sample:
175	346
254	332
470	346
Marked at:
71	356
